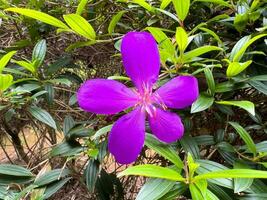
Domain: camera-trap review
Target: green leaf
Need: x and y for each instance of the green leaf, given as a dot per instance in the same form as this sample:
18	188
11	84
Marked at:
245	136
79	25
199	51
115	19
154	171
195	193
165	3
144	4
155	189
54	187
6	80
246	105
69	148
220	2
51	176
241	184
181	39
234	68
90	173
164	150
238	46
213	34
182	8
102	131
260	86
233	173
5	59
14	170
210	80
43	116
242	50
43	17
26	65
81	6
190	146
162	39
202	103
38	53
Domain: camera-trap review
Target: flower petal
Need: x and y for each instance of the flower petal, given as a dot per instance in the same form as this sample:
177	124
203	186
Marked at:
104	96
140	56
166	126
127	137
179	92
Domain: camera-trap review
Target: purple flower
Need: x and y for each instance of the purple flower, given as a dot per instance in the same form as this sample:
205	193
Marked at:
141	60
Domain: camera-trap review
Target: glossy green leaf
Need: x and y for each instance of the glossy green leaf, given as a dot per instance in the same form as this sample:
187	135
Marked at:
234	68
90	173
26	65
246	105
164	150
6	81
199	51
165	3
241	184
51	176
144	4
54	187
202	103
220	2
102	131
81	6
79	25
153	171
14	170
245	136
39	53
43	17
155	189
43	116
242	50
115	19
5	59
182	8
181	39
190	146
233	173
210	80
69	148
195	192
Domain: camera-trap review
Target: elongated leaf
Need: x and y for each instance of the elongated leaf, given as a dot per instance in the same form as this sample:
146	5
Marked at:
5	59
155	189
195	192
165	3
234	68
81	6
210	80
245	136
190	146
144	4
241	184
91	172
115	19
79	25
181	39
14	170
43	17
162	39
220	2
102	131
246	105
54	187
26	65
43	116
67	149
38	53
212	33
51	176
182	8
202	103
242	50
199	51
164	150
6	81
152	171
233	173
